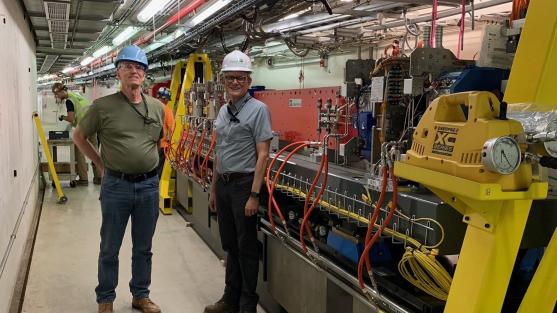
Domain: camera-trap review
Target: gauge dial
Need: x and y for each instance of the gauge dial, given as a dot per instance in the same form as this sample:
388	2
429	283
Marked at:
501	155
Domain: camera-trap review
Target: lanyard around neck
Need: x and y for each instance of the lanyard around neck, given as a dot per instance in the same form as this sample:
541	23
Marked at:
235	114
146	118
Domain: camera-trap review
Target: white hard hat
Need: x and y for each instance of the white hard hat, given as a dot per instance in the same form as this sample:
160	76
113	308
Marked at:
236	61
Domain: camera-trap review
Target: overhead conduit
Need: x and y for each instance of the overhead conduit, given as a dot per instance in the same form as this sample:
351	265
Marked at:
171	21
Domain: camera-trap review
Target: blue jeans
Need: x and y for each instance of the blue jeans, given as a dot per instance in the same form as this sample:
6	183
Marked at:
121	199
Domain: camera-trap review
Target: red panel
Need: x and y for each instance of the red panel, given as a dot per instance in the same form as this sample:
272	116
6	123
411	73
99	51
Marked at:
294	123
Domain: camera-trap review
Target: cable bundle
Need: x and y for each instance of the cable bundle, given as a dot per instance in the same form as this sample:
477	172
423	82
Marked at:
423	270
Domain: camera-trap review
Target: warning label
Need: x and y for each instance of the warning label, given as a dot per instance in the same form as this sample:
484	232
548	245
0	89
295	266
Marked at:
445	139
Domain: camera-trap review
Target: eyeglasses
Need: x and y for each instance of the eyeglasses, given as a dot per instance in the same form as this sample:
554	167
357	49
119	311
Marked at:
239	79
131	66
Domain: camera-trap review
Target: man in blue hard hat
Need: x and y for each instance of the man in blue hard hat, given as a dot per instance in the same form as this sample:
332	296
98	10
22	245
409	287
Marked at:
129	125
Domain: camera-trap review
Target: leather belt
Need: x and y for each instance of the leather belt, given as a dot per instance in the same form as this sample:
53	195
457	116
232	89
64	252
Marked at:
228	177
134	178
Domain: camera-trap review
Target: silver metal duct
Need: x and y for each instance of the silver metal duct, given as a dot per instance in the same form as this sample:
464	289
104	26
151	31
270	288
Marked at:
49	60
58	18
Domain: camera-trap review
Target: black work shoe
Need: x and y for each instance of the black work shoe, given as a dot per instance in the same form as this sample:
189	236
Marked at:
221	307
248	311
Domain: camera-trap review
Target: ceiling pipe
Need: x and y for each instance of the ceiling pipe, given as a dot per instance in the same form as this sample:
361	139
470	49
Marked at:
171	21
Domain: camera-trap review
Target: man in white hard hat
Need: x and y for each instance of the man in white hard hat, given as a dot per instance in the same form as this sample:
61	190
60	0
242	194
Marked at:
243	138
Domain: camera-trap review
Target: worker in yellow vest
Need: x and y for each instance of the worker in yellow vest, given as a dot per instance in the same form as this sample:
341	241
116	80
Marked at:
76	107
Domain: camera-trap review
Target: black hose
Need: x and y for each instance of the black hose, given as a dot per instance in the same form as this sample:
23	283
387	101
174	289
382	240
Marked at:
295	50
327	6
223	42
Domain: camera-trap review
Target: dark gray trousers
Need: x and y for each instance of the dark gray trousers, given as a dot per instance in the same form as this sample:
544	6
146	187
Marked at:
238	234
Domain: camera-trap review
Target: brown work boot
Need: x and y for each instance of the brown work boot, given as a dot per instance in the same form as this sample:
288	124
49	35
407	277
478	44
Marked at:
221	307
145	305
105	307
97	180
82	182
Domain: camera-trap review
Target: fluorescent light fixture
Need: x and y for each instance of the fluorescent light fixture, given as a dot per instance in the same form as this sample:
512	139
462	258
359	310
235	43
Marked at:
293	15
153	46
166	39
125	35
46	77
86	61
101	51
210	10
67	70
151	9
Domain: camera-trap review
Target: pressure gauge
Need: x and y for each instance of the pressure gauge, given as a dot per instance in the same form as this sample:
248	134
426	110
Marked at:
501	155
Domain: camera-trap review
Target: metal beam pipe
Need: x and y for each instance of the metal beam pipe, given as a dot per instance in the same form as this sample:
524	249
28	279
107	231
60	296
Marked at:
296	247
76	22
443	14
54	51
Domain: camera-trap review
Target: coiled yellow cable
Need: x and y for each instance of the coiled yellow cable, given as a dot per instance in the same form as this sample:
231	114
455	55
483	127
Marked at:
418	264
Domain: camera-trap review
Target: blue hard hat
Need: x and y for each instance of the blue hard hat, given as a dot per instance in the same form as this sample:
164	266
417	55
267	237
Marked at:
164	93
132	53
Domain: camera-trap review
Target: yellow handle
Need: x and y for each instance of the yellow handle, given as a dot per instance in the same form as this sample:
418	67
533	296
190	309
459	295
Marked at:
480	104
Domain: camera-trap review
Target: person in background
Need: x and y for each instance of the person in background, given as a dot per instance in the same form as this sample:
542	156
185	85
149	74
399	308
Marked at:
76	106
244	134
164	95
129	124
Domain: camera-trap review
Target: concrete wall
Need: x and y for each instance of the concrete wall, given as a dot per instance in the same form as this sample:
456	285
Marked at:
285	76
18	142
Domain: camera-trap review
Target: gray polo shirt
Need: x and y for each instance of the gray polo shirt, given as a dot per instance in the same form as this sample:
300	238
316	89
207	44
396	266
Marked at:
235	148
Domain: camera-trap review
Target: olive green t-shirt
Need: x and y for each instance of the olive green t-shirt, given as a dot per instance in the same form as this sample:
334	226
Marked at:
128	140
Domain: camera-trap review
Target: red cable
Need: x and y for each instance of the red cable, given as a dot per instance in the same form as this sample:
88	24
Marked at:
325	162
378	232
180	148
308	196
433	24
206	159
272	202
376	212
189	150
268	175
199	149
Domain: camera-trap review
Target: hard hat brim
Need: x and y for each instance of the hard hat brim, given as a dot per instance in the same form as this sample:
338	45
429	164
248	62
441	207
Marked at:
235	69
145	67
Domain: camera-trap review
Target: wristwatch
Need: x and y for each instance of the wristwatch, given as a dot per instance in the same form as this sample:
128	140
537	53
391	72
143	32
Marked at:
254	195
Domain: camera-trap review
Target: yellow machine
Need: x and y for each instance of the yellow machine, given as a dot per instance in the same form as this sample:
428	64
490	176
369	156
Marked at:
480	146
474	163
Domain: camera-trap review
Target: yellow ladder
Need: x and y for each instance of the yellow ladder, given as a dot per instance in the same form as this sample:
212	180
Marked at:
167	190
61	197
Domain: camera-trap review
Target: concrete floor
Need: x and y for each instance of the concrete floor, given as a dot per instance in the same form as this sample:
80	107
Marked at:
186	274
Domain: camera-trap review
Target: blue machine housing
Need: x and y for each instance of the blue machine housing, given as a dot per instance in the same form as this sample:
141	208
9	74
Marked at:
476	79
352	250
365	122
